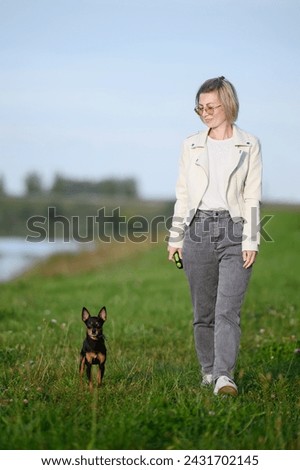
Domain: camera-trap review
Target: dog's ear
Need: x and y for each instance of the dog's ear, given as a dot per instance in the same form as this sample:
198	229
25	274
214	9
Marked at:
102	314
85	315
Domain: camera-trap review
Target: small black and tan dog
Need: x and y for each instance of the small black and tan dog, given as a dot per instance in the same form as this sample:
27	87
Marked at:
93	349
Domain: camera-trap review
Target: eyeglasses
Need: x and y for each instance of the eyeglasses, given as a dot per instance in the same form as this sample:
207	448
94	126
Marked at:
209	109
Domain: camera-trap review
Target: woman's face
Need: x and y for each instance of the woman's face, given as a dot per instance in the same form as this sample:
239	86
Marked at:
213	113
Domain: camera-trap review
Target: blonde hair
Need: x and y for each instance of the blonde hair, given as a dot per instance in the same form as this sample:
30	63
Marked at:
227	95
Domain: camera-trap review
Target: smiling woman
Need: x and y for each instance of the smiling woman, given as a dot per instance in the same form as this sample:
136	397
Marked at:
215	228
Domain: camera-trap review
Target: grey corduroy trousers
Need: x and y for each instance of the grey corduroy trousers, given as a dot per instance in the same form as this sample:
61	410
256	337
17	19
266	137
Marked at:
212	258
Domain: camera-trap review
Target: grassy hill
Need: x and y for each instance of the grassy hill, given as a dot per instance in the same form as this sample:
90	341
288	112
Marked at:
151	397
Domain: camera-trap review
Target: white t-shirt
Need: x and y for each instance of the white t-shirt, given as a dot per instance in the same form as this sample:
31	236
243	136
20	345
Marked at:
214	197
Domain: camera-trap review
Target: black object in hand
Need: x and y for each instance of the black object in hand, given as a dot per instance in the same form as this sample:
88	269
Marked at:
178	260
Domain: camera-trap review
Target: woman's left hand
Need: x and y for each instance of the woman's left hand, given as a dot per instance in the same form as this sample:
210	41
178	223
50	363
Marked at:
249	258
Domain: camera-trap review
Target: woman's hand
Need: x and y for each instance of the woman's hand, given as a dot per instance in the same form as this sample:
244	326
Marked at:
248	258
172	250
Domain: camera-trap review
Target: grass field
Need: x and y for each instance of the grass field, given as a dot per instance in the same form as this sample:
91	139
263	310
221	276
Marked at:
151	397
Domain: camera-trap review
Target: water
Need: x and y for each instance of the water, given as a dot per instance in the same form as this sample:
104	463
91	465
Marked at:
17	255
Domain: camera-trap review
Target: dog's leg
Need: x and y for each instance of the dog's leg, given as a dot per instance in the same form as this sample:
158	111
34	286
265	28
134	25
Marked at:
99	376
100	373
81	367
89	375
88	361
101	369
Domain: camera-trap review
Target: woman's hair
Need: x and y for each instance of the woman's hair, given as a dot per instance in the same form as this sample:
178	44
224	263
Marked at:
227	94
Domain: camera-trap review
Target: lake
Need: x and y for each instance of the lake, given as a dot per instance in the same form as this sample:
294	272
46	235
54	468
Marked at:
17	254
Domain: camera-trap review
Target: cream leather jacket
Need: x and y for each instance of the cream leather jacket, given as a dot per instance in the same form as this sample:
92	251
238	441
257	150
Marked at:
243	183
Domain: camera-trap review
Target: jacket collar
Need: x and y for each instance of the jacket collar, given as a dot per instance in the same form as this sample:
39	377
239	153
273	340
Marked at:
240	143
239	138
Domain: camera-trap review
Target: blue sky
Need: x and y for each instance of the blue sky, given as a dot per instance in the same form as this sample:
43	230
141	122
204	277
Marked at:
92	89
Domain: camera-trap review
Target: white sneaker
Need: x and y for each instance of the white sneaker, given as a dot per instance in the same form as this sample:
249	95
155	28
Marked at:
207	379
225	386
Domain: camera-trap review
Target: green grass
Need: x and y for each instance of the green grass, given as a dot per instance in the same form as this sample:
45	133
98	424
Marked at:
151	397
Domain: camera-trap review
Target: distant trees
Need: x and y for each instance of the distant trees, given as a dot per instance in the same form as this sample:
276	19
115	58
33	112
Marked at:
2	187
109	187
33	184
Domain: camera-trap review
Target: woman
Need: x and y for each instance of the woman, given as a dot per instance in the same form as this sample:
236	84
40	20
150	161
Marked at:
215	228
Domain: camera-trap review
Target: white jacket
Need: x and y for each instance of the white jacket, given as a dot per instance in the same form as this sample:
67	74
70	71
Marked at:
243	185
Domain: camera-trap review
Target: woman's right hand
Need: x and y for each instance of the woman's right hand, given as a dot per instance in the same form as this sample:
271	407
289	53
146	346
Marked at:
172	250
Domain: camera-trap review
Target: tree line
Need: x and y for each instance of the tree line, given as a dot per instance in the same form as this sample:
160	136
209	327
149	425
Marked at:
62	186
